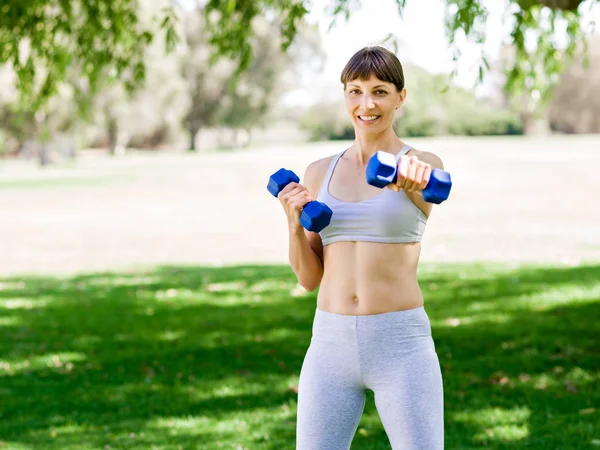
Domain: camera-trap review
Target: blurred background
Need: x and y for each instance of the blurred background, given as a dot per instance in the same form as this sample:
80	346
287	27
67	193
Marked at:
145	296
128	143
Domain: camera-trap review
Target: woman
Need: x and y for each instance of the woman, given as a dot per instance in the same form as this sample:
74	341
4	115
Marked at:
370	328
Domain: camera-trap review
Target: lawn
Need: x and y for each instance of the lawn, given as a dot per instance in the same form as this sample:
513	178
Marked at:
184	357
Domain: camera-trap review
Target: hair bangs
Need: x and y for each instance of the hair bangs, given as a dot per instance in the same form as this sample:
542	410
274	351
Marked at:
376	61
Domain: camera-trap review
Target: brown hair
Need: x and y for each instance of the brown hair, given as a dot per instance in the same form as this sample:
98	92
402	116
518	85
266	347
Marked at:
376	61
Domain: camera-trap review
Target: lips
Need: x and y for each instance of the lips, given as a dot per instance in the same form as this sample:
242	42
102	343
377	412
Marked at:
368	119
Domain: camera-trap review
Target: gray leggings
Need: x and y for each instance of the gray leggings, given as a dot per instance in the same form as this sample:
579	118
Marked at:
393	355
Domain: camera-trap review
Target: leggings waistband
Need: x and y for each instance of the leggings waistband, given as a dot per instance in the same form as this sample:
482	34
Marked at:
407	322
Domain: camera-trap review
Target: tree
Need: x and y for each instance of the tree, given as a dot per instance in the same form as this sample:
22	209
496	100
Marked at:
220	96
207	85
532	70
251	98
42	39
33	130
148	113
52	34
574	108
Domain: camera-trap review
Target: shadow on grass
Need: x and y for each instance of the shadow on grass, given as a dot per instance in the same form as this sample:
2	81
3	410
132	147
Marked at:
190	357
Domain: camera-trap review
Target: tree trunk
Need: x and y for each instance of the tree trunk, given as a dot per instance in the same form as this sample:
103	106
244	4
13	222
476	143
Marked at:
220	139
193	134
113	130
528	123
534	126
248	138
44	154
235	139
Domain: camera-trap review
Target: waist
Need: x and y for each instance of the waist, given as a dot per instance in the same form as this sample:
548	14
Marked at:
367	278
371	257
408	323
368	300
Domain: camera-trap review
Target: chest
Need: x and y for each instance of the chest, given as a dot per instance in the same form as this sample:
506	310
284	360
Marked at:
388	216
349	184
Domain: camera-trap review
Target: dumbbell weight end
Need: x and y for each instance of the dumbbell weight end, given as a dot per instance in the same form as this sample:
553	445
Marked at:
315	215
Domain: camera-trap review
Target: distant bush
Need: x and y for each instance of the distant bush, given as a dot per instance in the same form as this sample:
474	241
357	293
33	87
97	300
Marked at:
455	120
3	144
327	121
427	111
430	111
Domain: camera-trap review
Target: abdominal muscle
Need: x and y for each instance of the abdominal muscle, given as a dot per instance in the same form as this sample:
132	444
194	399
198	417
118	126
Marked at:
362	278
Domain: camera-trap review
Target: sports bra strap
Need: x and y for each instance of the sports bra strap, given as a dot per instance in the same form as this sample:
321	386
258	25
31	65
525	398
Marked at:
330	169
334	161
403	151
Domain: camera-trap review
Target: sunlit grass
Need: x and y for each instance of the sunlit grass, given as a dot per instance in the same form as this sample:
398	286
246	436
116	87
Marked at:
208	358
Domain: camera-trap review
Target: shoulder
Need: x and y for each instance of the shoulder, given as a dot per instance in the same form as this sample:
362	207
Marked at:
315	173
427	157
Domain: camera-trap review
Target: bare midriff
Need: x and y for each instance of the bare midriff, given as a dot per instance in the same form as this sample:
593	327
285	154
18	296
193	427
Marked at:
363	278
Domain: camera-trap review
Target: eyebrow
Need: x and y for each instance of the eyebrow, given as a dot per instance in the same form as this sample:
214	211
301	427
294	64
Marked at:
379	85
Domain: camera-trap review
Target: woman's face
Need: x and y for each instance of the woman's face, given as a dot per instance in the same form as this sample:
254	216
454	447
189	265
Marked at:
372	104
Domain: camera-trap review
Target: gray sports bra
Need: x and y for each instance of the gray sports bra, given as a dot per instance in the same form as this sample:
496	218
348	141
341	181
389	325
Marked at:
389	217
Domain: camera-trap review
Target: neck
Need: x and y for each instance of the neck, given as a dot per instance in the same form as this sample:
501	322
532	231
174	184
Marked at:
366	145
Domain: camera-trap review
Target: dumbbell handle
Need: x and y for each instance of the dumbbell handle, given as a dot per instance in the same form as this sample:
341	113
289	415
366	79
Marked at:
382	170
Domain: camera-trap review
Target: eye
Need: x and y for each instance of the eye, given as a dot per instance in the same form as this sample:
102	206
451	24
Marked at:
354	91
380	92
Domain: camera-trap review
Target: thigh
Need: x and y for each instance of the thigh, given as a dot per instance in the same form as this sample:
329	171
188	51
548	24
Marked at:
330	403
410	402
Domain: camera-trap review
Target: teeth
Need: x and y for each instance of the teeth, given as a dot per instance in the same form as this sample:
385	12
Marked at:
368	117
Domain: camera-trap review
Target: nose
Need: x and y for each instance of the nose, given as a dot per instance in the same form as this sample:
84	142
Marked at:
367	102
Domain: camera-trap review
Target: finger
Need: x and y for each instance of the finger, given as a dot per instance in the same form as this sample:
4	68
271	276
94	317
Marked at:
419	171
288	188
299	196
292	192
303	199
413	164
402	172
426	176
394	187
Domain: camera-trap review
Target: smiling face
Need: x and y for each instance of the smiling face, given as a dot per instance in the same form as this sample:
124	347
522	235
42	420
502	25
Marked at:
372	103
373	82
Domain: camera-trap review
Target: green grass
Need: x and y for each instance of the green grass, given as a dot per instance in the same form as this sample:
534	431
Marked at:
208	358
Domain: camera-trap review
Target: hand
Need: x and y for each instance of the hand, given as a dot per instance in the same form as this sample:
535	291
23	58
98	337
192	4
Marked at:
293	197
412	175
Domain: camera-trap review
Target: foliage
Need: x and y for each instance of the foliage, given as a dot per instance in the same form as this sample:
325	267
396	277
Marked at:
180	91
3	143
43	39
221	96
532	70
175	356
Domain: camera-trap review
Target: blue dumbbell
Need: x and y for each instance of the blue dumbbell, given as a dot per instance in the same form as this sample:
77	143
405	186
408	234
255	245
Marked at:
382	170
315	215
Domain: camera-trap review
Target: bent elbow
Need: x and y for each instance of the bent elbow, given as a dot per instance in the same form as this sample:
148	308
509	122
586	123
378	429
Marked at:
310	285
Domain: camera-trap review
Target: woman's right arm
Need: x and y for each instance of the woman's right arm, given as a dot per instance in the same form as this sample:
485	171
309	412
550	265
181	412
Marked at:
305	262
305	247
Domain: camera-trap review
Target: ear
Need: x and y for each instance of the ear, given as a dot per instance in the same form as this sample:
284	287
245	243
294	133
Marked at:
401	98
